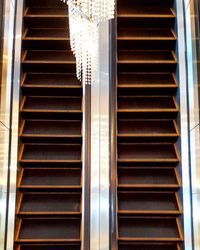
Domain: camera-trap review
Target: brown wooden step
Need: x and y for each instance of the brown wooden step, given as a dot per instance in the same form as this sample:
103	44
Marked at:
45	3
51	107
147	152
50	80
147	12
60	61
46	38
149	229
125	33
155	79
140	103
147	246
148	203
46	152
139	178
58	131
46	17
46	21
46	230
158	107
144	3
51	104
138	43
48	57
143	130
47	84
146	60
153	57
46	12
145	21
50	178
46	34
146	83
50	204
68	246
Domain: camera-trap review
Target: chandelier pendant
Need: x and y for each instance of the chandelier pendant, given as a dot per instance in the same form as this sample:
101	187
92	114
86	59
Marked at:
84	19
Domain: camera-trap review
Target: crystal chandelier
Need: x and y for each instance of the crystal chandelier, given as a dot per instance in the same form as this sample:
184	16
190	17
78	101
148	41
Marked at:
84	19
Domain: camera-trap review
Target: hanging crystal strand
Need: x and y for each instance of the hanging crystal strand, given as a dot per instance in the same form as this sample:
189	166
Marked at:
84	19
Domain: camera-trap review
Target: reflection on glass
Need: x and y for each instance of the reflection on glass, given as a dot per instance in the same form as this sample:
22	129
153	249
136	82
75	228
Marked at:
1	38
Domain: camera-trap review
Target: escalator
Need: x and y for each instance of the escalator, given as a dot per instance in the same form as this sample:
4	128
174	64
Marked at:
49	208
49	182
148	180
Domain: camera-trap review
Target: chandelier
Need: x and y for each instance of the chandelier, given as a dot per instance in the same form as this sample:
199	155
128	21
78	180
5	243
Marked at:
84	19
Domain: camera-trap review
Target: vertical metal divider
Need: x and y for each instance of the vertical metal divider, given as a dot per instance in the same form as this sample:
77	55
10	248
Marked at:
7	16
86	167
184	127
95	165
113	133
100	181
104	136
192	20
14	123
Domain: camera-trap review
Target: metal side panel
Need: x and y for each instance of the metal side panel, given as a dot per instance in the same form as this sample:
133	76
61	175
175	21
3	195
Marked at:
15	113
192	23
5	98
184	127
4	147
99	224
5	112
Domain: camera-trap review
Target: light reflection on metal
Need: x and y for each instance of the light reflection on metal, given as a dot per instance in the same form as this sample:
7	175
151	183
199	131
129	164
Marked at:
15	119
192	19
5	115
7	63
104	136
4	146
184	127
100	148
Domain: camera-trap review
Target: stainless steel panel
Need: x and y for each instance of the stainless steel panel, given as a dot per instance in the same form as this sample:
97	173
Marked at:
186	3
191	65
7	63
15	114
184	127
4	154
104	136
3	200
99	237
5	108
86	131
190	17
196	216
195	159
95	167
4	148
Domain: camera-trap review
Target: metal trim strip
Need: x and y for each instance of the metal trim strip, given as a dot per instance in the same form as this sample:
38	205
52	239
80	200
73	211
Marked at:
184	127
113	134
86	167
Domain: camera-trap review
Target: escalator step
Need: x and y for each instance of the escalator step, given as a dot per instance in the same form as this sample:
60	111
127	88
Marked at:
49	230
50	204
148	229
148	203
50	177
147	178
